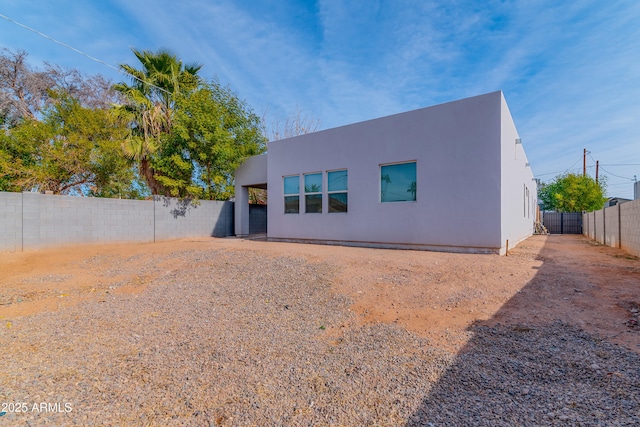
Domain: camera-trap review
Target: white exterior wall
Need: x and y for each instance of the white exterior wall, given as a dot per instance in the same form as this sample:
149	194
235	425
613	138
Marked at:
519	191
457	148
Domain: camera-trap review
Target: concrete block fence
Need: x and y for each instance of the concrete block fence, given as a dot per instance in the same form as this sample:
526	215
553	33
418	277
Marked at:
617	226
34	221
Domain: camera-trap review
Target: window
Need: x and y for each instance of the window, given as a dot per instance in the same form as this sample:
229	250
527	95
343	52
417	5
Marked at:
398	182
313	192
337	191
292	194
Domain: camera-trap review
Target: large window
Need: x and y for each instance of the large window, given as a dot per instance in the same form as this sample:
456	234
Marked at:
398	182
292	194
337	191
313	193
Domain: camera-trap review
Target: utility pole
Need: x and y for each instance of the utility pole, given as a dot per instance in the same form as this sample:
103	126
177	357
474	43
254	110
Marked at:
584	162
597	164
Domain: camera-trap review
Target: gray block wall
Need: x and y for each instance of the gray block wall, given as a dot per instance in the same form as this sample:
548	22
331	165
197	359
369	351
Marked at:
599	225
630	227
58	220
176	219
588	225
616	226
612	226
10	222
34	221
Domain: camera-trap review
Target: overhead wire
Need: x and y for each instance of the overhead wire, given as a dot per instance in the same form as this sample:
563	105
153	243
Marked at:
609	172
617	176
121	71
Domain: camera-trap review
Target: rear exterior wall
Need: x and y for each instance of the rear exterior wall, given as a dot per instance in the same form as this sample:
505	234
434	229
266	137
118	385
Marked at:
457	150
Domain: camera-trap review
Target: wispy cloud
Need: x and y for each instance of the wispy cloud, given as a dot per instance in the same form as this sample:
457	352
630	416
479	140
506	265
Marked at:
568	69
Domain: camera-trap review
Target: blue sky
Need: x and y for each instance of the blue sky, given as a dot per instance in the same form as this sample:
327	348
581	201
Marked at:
570	71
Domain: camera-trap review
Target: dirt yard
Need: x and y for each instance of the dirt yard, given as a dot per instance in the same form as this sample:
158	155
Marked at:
436	295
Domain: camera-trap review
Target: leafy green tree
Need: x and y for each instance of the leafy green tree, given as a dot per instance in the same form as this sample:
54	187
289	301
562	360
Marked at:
573	193
71	150
213	132
150	107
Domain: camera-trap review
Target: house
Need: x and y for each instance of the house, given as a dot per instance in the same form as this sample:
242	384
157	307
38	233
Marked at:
612	201
451	177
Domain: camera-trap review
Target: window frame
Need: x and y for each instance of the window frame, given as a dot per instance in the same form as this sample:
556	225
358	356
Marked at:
285	194
344	191
382	165
312	193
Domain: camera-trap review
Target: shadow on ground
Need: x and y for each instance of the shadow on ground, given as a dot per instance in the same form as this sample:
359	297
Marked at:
548	362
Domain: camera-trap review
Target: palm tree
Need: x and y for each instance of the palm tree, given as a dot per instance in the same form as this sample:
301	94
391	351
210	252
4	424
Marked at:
386	179
151	101
412	190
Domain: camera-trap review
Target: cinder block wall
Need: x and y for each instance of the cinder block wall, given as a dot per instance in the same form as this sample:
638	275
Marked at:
50	220
10	222
588	220
612	226
175	219
33	221
630	227
599	226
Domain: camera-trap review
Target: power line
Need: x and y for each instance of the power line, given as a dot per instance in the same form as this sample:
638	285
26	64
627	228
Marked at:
60	43
618	176
619	184
121	71
570	167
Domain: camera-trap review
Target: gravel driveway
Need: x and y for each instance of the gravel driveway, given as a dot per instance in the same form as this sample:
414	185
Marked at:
241	339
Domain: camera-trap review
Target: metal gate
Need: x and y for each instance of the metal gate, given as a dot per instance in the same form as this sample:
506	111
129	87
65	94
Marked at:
563	222
257	219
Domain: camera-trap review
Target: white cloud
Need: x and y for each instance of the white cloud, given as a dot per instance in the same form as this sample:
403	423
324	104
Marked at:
569	70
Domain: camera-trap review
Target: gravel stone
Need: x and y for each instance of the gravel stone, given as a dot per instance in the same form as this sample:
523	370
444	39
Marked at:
241	339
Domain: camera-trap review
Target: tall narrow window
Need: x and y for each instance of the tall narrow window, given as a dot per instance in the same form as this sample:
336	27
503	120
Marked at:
292	194
398	182
337	191
313	192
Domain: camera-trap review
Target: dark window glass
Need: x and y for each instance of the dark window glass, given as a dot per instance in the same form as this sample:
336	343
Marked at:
291	204
398	182
313	203
337	202
292	194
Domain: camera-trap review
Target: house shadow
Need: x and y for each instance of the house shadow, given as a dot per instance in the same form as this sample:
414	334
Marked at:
557	353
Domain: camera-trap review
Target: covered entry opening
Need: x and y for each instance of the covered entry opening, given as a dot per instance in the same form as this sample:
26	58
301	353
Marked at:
258	211
250	203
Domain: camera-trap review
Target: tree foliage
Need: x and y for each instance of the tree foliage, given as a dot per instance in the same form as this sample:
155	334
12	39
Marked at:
187	135
213	132
25	92
149	107
71	150
168	132
573	193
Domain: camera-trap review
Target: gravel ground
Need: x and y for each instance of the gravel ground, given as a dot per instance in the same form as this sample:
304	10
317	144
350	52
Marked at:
244	340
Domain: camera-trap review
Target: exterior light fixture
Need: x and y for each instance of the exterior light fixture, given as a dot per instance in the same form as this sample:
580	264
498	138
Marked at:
518	141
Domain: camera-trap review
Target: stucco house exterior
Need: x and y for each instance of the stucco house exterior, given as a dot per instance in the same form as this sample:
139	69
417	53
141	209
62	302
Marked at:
451	177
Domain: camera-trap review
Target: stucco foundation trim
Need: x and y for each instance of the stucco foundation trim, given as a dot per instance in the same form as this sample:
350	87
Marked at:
385	245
